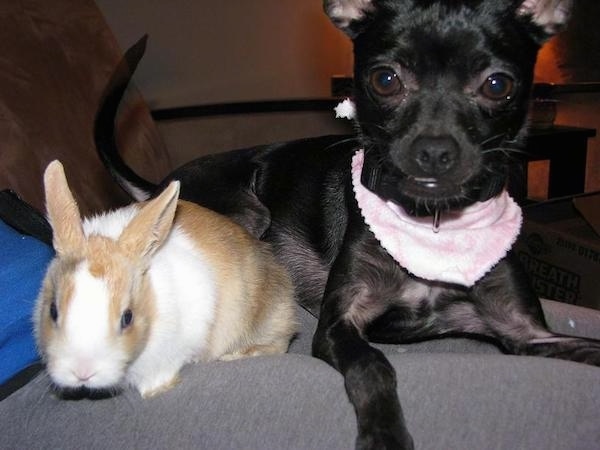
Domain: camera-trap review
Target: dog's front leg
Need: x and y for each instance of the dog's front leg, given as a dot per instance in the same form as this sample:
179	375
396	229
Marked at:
349	304
509	308
370	382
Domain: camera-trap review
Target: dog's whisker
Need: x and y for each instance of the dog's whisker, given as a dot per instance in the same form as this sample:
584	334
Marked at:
506	150
492	139
510	153
340	142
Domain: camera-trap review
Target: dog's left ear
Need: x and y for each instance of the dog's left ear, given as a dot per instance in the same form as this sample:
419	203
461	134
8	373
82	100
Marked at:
547	16
348	15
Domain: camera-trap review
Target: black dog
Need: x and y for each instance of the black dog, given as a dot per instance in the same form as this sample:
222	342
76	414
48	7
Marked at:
441	92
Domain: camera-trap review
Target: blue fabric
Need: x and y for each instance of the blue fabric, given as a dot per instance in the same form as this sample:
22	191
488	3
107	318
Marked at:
23	263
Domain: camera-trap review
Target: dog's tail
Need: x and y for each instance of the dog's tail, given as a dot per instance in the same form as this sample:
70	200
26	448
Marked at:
104	126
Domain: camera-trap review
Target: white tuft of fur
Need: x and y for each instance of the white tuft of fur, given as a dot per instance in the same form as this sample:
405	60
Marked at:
110	223
345	110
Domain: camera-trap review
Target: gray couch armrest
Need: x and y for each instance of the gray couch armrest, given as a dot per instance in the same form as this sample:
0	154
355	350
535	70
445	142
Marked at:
572	320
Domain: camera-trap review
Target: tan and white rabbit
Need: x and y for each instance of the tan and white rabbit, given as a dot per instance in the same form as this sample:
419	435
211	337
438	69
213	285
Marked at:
134	294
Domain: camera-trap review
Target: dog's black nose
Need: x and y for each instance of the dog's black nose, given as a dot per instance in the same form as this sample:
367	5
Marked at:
435	155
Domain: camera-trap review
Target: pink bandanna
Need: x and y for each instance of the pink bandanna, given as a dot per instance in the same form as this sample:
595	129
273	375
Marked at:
468	244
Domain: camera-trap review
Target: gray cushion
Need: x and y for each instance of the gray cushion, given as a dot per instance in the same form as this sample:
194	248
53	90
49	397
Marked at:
456	394
451	401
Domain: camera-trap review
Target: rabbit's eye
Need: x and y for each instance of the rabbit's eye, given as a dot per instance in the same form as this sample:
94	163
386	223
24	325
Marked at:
126	318
53	312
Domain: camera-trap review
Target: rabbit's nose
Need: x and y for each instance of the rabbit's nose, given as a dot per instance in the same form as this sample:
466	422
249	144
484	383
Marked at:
83	373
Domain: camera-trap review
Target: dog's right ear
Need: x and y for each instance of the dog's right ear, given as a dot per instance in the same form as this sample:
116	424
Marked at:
348	15
548	16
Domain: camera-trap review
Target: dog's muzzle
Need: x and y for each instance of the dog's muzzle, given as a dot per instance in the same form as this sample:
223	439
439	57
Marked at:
434	182
433	156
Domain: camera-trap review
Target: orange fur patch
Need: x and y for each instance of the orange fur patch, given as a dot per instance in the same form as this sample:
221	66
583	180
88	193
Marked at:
254	292
129	288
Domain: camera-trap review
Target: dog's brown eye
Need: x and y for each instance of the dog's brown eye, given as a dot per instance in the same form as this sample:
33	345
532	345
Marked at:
385	82
497	86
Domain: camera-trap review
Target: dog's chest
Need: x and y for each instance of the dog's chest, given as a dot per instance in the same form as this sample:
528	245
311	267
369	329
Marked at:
407	299
416	294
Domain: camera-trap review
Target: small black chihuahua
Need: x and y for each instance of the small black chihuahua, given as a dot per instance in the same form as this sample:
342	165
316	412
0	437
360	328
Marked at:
403	232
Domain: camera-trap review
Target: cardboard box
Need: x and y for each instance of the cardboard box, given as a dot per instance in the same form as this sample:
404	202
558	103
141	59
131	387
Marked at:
561	249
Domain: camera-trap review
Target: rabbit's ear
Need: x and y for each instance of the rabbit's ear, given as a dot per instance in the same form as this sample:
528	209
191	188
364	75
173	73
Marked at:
63	212
152	224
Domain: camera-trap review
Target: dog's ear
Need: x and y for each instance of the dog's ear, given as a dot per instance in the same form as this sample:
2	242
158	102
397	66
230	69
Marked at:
547	16
348	15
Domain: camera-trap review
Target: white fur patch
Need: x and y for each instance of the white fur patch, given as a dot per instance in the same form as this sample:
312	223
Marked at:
551	340
179	335
110	224
345	110
87	319
86	354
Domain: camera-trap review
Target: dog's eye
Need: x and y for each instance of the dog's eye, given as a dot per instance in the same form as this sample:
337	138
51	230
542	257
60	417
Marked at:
385	82
126	318
497	86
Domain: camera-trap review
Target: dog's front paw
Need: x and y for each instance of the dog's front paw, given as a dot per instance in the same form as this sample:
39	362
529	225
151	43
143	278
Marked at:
384	440
587	354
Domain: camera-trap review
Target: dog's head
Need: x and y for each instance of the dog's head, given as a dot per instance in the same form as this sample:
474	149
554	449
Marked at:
441	92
